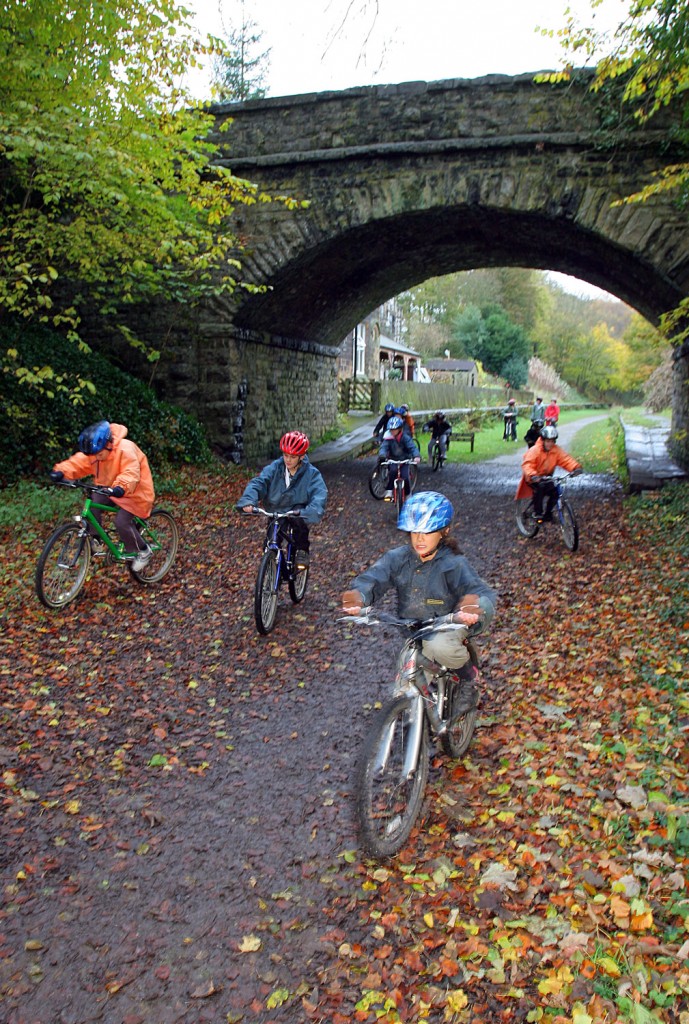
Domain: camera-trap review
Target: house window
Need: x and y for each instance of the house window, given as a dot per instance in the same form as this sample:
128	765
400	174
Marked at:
360	370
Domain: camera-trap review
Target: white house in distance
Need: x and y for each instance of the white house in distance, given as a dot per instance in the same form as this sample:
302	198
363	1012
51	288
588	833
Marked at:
374	349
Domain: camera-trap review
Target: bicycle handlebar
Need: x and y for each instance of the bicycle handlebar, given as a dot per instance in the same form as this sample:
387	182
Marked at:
257	511
418	627
397	462
80	485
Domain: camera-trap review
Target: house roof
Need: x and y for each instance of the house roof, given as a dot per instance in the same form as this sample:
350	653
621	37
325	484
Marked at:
450	364
396	346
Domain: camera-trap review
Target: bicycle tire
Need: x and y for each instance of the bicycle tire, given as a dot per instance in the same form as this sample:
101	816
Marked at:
413	476
63	566
437	461
378	481
297	585
526	524
400	496
161	534
387	805
568	526
266	594
459	734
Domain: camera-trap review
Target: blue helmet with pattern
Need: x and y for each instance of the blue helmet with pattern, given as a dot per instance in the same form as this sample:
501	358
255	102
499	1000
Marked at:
425	512
389	407
395	422
93	439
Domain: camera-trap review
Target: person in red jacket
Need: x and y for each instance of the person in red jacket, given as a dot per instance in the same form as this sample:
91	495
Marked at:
538	465
552	414
113	461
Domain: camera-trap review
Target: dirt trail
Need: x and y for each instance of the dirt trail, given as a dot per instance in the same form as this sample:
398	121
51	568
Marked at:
153	915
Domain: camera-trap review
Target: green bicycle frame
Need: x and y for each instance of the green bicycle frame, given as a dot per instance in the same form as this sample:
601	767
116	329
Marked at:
116	548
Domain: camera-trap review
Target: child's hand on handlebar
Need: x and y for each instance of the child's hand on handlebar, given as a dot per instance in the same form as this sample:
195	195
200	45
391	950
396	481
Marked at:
469	611
352	602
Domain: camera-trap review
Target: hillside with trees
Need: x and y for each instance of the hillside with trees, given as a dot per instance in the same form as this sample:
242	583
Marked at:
504	317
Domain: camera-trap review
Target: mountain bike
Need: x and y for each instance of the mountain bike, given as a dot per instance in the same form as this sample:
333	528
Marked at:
399	495
64	563
378	478
393	768
278	565
528	523
437	457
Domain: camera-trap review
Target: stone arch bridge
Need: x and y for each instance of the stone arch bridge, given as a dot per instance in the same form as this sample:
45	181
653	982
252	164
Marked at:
407	182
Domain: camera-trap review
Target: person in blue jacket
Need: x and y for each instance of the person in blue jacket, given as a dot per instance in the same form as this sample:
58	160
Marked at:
432	579
398	444
290	482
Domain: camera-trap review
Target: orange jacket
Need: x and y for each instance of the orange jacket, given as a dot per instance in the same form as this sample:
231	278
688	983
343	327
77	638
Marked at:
538	462
121	465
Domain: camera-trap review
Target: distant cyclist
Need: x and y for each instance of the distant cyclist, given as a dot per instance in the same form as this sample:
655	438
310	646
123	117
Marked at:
290	482
538	465
381	425
409	424
440	429
398	445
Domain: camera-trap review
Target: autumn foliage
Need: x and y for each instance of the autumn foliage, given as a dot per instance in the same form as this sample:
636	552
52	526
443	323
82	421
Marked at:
178	835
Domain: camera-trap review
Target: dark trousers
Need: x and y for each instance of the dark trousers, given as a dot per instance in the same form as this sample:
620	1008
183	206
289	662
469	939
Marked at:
124	523
300	532
545	489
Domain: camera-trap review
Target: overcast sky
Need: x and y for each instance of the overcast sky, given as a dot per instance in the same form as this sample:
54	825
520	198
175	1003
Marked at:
316	45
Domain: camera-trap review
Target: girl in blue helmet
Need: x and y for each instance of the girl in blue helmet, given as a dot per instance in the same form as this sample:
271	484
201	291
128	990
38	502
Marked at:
431	577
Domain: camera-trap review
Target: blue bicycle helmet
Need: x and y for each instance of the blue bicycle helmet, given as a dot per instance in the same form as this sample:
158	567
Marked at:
93	439
395	422
425	512
389	407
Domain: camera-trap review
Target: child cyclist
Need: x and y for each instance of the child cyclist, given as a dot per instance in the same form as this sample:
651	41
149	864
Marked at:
398	445
432	579
538	465
106	454
290	482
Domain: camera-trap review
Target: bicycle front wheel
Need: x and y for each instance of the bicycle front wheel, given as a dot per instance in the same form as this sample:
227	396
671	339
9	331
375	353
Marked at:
568	526
378	481
391	777
413	474
63	566
266	593
160	532
526	524
399	495
437	461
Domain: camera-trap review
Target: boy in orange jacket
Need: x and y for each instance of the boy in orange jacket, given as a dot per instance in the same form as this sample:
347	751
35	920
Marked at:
113	461
538	465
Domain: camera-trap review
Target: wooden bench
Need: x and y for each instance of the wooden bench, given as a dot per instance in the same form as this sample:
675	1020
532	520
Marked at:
466	436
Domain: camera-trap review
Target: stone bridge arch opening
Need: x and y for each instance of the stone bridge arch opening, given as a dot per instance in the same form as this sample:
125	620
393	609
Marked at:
322	294
405	183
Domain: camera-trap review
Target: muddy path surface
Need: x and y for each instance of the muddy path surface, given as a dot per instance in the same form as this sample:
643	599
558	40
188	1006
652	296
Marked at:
179	852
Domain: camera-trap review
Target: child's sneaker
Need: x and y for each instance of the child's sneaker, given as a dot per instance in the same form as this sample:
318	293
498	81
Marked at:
142	559
387	496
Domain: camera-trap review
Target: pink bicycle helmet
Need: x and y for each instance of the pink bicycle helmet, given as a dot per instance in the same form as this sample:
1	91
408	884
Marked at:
294	443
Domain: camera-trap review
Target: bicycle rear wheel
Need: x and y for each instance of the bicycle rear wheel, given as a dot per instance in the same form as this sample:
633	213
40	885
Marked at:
266	593
63	566
378	481
568	526
391	777
160	532
526	524
297	584
461	730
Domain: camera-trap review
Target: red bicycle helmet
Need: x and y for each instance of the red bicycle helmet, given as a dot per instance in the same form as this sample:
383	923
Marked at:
294	443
